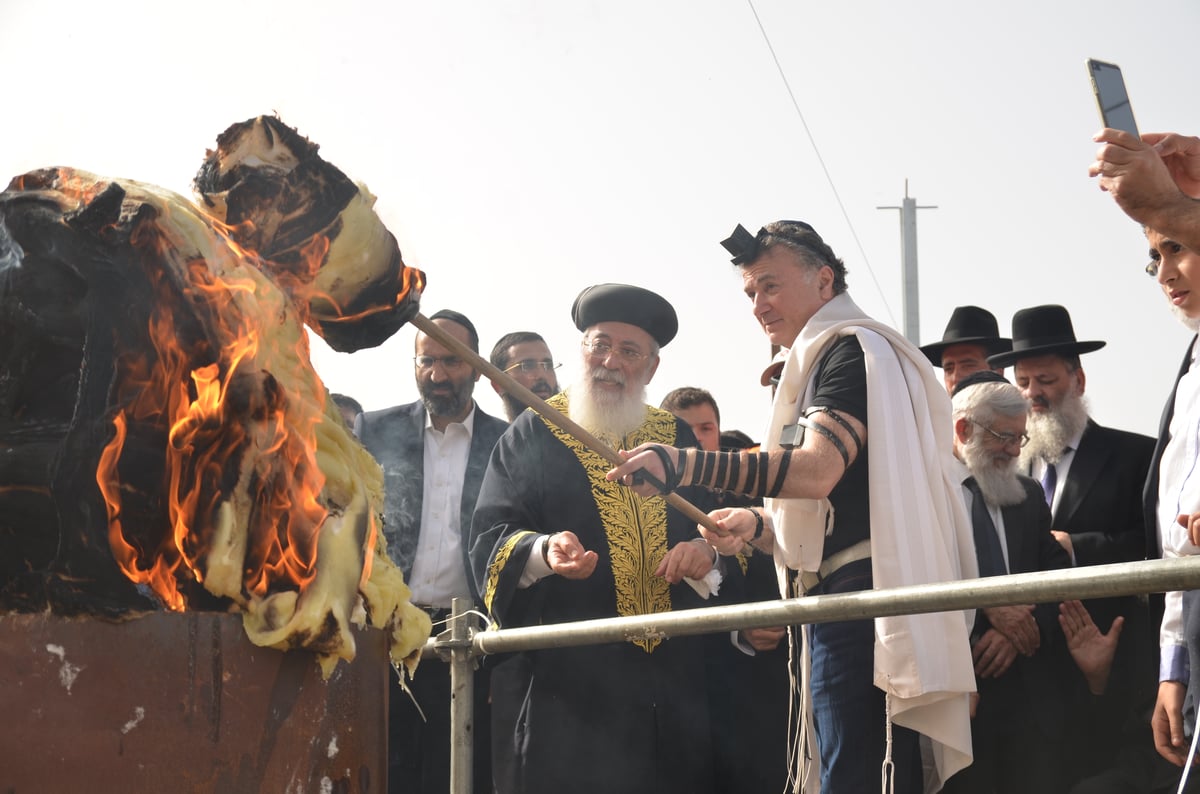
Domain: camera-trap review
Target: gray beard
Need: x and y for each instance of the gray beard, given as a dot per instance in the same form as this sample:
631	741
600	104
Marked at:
1049	433
610	416
999	484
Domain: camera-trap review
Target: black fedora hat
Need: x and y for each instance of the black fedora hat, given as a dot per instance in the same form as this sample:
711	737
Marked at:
969	325
1040	331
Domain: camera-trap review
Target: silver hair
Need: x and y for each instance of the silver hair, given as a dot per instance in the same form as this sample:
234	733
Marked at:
985	401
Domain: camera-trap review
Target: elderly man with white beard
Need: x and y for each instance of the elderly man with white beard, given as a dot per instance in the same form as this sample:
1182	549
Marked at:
1016	726
554	541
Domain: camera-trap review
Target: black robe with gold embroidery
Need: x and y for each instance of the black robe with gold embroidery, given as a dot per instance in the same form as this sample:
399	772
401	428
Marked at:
623	717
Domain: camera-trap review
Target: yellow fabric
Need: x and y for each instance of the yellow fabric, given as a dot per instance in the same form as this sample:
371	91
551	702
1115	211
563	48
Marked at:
636	528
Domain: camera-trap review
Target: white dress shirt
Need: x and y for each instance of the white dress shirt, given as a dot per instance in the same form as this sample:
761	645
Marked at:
438	574
1178	494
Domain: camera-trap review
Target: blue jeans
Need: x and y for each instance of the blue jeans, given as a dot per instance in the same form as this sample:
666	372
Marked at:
848	709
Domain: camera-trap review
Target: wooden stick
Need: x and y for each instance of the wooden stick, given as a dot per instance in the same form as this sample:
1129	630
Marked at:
511	385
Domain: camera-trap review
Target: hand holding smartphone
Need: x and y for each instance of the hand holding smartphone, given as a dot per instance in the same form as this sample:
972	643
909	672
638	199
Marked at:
1109	87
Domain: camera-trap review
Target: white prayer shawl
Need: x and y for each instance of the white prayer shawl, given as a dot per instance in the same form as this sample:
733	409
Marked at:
920	530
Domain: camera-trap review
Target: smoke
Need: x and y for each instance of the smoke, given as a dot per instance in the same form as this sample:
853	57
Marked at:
11	253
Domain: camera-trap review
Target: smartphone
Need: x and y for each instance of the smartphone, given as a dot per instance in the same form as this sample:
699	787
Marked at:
1109	87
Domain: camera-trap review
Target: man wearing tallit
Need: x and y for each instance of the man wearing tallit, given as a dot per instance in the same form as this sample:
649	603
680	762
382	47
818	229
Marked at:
889	698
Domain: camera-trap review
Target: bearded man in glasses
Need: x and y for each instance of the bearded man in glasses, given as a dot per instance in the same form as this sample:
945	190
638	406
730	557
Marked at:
554	541
526	357
1017	725
433	453
857	469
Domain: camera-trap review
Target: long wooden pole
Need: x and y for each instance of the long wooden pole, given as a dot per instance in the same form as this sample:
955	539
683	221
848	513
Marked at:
552	414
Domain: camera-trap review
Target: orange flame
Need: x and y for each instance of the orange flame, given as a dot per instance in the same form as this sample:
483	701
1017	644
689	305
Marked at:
232	406
237	439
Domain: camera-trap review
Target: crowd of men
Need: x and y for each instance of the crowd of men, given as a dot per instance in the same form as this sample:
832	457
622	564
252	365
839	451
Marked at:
870	473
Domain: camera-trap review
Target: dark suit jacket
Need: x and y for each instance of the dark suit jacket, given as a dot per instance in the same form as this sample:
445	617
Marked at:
1150	492
1101	502
1031	547
396	437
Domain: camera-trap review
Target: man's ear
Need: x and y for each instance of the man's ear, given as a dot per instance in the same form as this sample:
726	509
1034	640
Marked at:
825	279
962	429
652	370
496	386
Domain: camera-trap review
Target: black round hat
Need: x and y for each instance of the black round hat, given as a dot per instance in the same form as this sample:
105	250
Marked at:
624	303
976	378
1040	331
969	325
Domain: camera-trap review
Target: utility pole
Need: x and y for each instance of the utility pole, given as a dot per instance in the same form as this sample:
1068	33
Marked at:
908	242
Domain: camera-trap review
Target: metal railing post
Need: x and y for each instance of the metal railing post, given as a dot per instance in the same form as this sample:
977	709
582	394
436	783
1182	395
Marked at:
462	697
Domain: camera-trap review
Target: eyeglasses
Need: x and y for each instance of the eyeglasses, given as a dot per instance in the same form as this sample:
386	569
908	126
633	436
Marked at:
427	362
602	349
533	365
1004	438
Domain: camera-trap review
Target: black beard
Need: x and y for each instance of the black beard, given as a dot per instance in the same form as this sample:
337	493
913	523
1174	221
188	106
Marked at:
512	406
450	405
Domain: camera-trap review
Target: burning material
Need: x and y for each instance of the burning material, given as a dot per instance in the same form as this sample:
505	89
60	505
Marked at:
165	441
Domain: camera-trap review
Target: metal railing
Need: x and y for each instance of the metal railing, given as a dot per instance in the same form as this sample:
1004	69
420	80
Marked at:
462	642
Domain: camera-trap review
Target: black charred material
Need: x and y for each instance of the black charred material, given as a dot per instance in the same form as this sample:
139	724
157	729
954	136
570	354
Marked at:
62	288
79	284
275	212
278	210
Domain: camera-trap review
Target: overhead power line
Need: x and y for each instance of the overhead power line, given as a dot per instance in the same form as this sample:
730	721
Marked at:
816	150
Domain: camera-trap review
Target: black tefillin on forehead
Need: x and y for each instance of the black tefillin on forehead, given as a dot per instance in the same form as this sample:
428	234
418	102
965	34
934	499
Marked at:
746	247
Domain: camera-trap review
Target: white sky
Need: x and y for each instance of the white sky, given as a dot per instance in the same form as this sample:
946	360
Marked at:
524	150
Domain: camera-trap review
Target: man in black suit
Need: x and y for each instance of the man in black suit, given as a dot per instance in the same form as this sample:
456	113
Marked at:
1018	717
434	453
1092	477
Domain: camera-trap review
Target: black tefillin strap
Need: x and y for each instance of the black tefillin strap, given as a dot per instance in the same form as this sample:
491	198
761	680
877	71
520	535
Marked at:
670	471
835	416
792	436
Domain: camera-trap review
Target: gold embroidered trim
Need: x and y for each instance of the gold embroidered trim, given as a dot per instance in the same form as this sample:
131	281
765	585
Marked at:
636	528
498	562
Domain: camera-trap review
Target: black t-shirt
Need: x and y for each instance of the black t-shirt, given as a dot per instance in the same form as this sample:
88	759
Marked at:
841	384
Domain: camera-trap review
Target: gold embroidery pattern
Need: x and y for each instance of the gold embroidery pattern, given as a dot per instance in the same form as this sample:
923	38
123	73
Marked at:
636	528
498	563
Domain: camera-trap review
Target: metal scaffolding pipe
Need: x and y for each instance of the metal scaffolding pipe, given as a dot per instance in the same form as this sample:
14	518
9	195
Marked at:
1129	578
462	698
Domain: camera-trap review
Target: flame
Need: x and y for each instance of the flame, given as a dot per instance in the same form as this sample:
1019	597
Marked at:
411	279
241	445
160	575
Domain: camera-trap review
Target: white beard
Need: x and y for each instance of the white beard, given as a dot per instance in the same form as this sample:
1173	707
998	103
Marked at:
608	415
997	477
1050	432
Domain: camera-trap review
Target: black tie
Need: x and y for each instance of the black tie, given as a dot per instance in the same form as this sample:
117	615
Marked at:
1049	482
987	541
